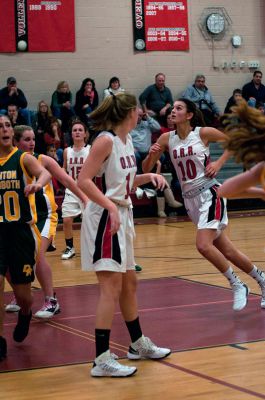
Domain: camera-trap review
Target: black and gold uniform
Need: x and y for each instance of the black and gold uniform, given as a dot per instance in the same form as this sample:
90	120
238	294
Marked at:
19	236
47	217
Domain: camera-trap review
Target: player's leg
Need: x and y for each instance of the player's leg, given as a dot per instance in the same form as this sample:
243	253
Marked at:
22	252
141	346
44	276
242	261
206	244
105	363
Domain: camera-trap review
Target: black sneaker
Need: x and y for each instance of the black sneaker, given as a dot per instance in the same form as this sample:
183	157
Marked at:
3	348
22	328
51	248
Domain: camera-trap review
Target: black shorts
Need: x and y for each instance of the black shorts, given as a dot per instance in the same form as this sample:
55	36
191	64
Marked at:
19	243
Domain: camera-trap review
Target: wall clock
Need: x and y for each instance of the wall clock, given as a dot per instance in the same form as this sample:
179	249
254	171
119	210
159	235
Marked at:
215	23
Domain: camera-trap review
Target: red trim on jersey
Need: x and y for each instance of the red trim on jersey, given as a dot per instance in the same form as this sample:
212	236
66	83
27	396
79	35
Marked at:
106	250
218	205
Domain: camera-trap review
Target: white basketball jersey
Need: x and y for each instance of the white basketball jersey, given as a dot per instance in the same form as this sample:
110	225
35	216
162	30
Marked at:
117	173
190	158
75	161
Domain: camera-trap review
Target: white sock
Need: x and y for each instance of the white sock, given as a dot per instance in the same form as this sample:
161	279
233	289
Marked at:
258	275
231	276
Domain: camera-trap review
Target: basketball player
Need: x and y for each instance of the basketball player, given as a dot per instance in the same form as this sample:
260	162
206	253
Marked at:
188	146
74	157
19	236
107	230
24	139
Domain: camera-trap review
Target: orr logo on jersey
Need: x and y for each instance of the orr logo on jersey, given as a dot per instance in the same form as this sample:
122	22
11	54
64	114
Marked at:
181	153
128	162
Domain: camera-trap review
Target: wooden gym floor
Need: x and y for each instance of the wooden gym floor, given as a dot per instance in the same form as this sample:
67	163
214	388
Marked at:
184	303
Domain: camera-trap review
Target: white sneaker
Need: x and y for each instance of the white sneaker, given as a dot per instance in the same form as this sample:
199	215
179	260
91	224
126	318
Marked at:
241	292
144	348
49	309
69	252
12	306
106	365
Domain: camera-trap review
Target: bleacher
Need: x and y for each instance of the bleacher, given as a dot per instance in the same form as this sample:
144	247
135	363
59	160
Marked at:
230	168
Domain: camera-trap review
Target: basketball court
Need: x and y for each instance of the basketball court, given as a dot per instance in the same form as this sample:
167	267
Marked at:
184	304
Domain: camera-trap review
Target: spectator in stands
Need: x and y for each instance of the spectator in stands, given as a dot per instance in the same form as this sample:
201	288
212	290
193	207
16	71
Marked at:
86	100
260	106
254	91
233	100
202	97
57	186
169	125
61	104
165	196
14	115
142	136
156	98
113	88
40	123
11	94
54	136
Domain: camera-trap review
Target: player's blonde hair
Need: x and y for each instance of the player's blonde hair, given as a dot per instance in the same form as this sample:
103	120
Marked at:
245	129
113	110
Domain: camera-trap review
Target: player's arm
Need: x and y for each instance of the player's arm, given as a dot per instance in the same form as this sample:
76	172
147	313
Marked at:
157	180
155	152
65	159
242	185
59	173
209	135
34	168
99	152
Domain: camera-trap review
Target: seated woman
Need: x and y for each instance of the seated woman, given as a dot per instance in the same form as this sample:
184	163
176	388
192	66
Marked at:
86	100
61	104
40	124
54	136
113	88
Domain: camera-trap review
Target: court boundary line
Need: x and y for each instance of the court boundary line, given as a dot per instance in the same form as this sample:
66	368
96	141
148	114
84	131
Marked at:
213	380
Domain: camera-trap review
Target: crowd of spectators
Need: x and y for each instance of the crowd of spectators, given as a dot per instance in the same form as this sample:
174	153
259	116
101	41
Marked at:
51	122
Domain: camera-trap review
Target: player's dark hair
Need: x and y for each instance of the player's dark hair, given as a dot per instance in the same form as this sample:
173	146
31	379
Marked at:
197	119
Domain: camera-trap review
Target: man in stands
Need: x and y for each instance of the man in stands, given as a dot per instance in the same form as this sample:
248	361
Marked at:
254	91
156	98
11	94
199	93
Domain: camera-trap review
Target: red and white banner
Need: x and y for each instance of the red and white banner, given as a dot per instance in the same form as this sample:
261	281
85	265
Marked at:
160	25
37	25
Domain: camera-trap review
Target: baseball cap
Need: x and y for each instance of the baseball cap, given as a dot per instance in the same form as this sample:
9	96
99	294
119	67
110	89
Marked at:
11	79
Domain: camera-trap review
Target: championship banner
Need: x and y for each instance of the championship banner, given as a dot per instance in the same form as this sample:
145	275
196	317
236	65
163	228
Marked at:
160	25
37	25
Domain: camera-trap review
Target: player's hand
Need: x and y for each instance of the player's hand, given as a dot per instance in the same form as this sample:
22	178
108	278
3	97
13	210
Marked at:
155	148
32	188
114	220
158	181
212	169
